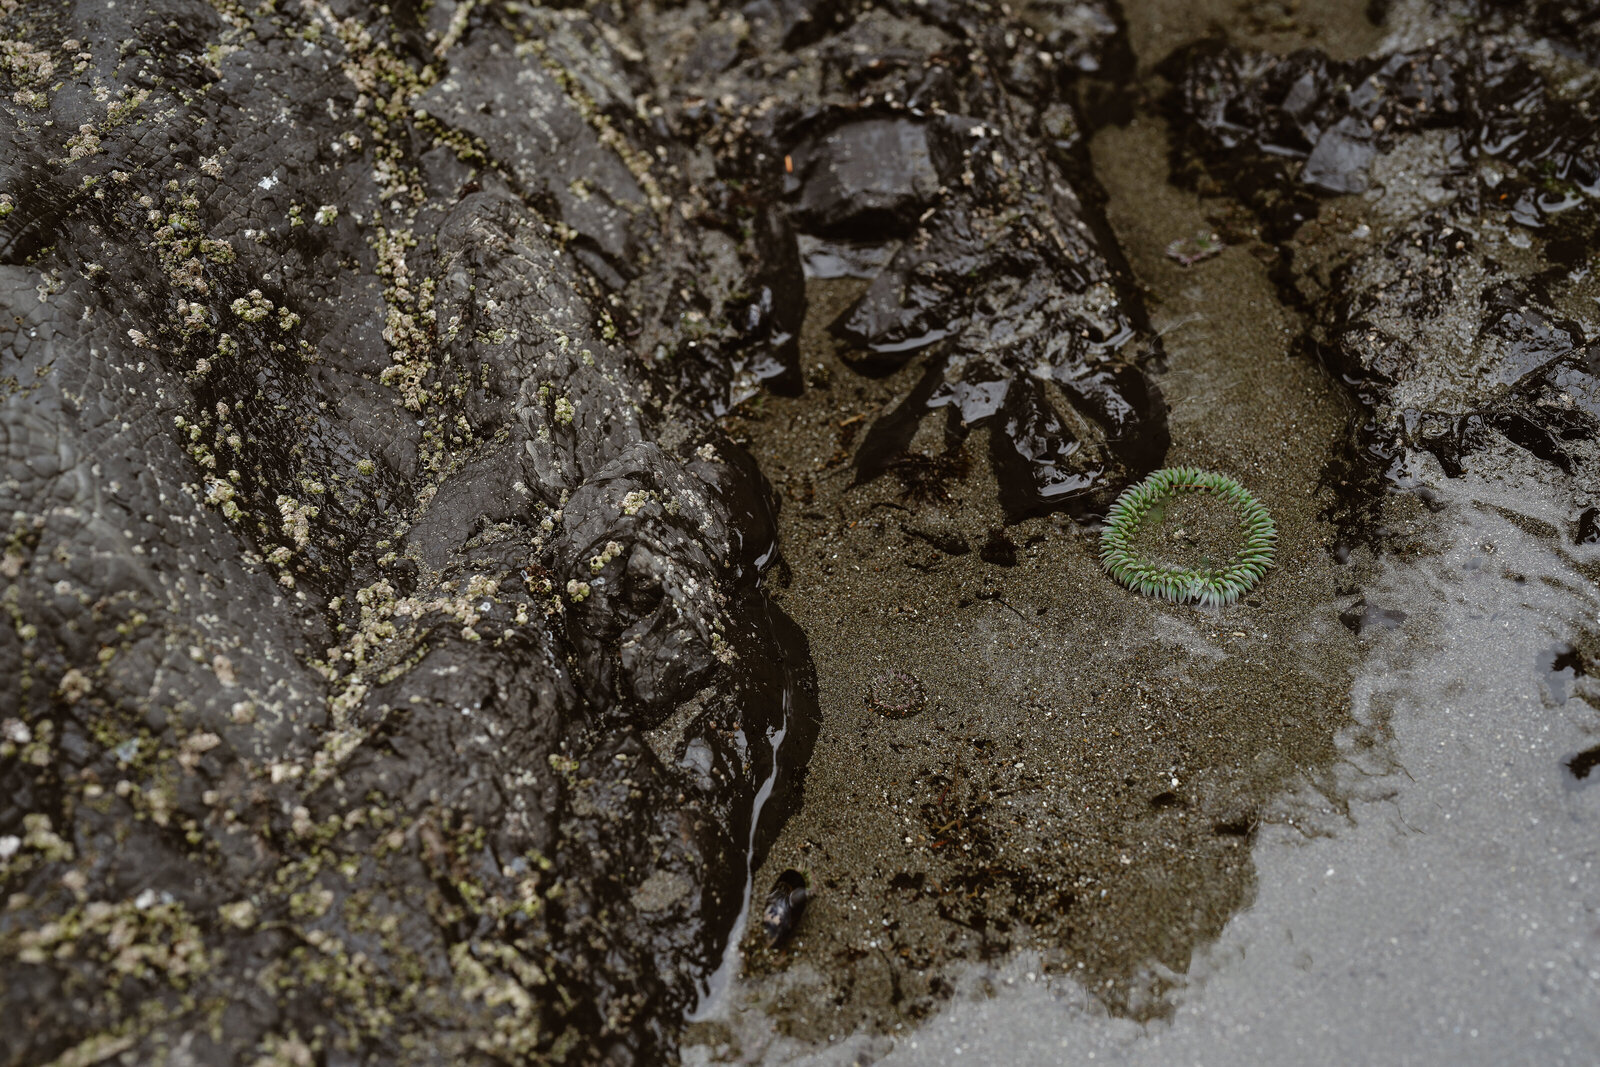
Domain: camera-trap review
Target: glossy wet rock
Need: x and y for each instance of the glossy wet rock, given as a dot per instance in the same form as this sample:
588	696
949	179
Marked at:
867	179
1450	287
387	672
940	149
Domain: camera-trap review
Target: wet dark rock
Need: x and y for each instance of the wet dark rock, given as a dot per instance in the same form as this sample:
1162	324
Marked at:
1588	529
906	146
1280	130
1583	764
1434	207
785	903
1568	26
536	132
388	677
868	179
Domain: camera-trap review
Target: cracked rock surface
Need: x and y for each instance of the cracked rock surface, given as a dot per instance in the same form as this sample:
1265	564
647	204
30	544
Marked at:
388	678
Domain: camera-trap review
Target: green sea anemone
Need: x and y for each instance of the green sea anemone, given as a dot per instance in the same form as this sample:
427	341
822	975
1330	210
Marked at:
1206	584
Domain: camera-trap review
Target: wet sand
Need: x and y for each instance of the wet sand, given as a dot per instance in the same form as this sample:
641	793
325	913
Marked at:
1071	842
1435	900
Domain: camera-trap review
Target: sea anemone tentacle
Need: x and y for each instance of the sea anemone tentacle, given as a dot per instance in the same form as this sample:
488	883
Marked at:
1210	586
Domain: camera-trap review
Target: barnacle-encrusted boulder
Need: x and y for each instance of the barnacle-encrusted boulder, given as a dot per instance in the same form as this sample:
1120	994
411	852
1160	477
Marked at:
386	677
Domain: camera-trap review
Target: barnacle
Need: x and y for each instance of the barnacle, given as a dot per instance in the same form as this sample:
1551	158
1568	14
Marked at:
1207	585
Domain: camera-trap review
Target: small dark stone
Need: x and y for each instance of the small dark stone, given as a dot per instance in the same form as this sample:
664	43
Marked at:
1588	527
1584	762
1361	617
786	902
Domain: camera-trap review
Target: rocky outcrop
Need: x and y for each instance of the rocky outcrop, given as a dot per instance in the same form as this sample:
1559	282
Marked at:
1435	206
937	151
387	673
393	681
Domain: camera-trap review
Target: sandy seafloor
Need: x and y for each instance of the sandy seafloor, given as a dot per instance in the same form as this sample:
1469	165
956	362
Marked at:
1130	832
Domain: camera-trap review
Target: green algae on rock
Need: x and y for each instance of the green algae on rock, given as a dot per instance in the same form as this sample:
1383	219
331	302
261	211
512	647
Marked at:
1209	585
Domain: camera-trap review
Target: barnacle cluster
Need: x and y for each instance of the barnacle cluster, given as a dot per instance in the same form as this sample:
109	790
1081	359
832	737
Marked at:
1207	585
